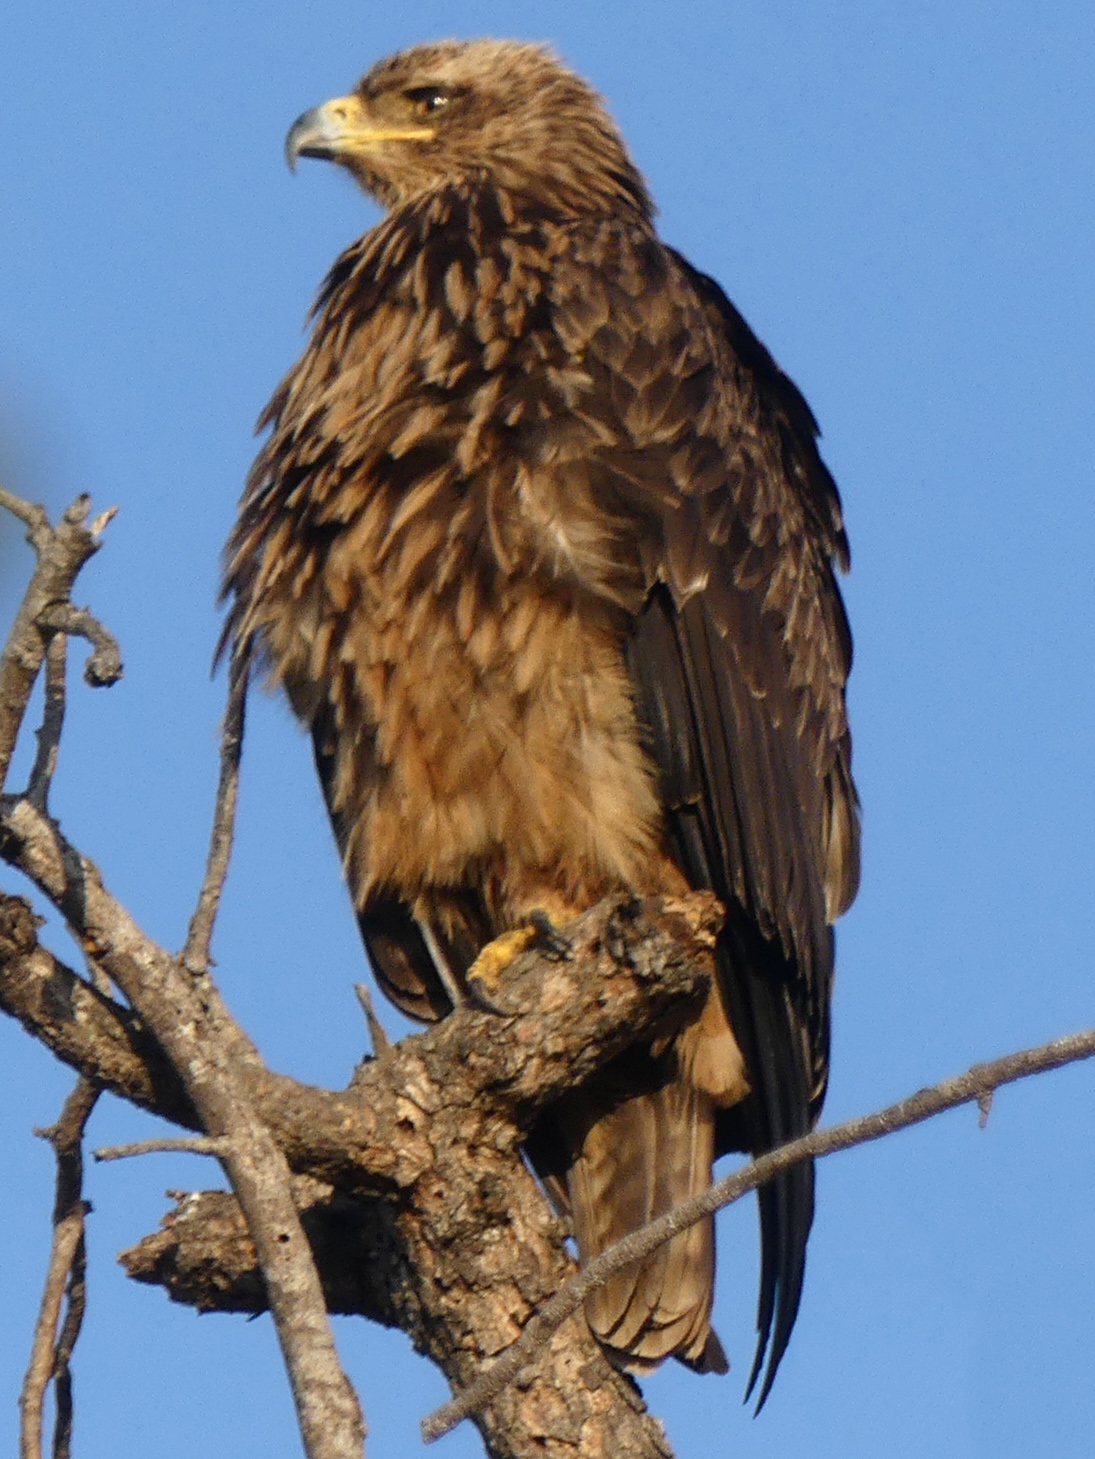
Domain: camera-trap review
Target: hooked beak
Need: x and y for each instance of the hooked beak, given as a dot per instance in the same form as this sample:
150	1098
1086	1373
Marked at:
340	128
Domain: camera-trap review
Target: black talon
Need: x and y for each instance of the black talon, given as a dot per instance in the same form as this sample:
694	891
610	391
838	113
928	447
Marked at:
549	940
481	1000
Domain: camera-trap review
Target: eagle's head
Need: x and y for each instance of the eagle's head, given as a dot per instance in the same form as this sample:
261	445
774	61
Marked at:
502	113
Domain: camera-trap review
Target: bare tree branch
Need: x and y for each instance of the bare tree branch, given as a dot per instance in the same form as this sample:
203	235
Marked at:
195	1145
634	965
191	1025
53	722
34	517
104	664
195	955
52	1350
204	1257
61	553
53	1339
377	1033
975	1085
81	1026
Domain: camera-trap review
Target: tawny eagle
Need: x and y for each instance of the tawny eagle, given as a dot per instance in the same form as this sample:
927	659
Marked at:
541	549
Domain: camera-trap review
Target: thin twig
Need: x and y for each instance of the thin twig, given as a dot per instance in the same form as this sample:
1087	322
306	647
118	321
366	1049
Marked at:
76	1291
104	664
195	955
51	1350
378	1034
75	1308
974	1085
53	720
34	517
195	1145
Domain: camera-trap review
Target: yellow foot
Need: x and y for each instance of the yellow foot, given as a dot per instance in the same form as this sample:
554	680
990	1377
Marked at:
503	951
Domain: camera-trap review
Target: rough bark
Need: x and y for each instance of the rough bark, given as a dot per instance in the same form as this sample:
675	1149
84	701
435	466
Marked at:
203	1255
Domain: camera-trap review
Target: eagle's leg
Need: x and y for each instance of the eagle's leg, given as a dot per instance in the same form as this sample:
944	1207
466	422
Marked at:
449	981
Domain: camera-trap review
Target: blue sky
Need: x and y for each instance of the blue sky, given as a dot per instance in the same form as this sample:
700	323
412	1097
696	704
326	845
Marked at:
901	201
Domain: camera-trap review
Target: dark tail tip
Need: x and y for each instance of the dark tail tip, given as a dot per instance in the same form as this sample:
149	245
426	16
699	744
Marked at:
786	1215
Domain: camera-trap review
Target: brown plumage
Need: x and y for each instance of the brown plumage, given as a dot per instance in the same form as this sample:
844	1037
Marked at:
541	549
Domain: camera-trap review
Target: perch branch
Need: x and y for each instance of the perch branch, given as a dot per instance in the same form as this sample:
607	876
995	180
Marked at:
634	966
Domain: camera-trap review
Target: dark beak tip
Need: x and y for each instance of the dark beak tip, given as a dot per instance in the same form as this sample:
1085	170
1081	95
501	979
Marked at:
296	139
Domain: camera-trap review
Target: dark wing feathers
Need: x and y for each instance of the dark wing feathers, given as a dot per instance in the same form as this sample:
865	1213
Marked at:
712	803
739	659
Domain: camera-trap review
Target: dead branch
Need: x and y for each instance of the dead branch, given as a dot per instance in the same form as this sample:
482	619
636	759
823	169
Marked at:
377	1033
104	664
55	1339
195	955
61	553
634	966
53	722
81	1026
195	1145
203	1255
35	518
52	1349
204	1045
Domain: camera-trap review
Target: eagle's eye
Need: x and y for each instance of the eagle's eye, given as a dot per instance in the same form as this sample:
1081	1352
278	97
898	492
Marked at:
427	100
